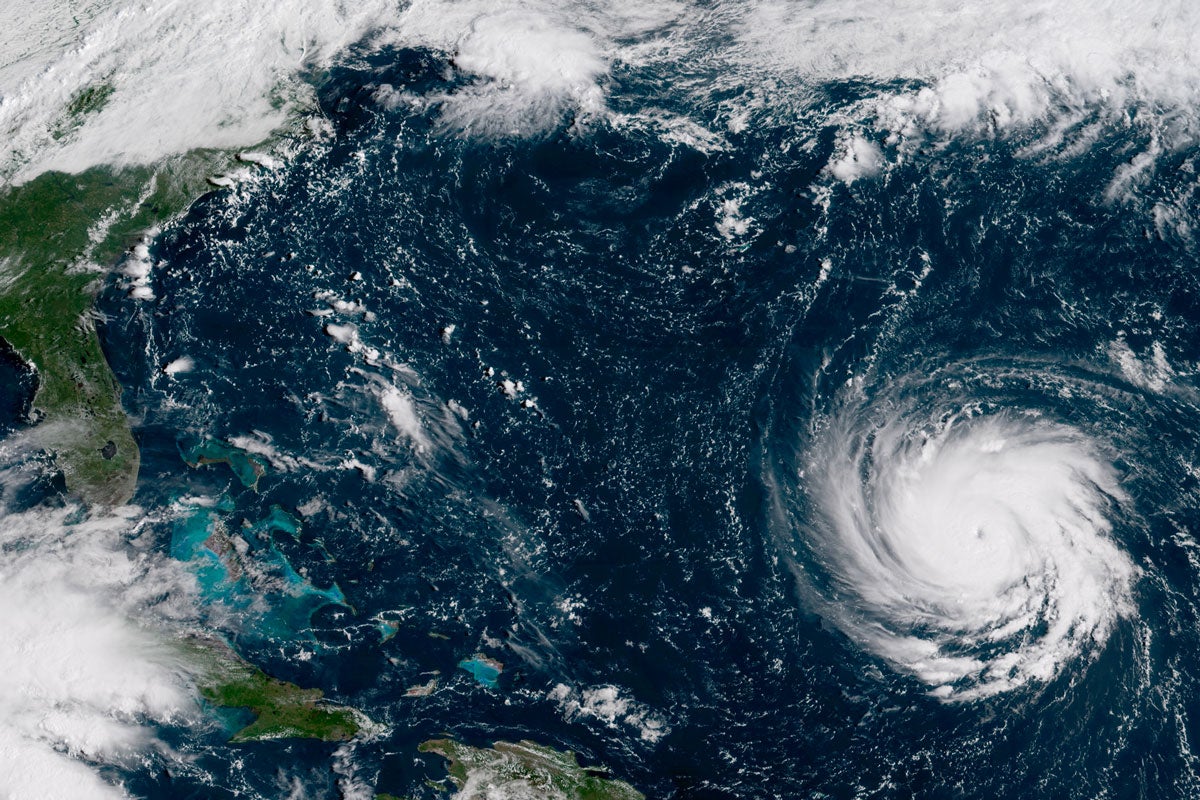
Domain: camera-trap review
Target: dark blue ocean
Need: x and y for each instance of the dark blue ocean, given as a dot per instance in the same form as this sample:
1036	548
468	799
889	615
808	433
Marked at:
674	433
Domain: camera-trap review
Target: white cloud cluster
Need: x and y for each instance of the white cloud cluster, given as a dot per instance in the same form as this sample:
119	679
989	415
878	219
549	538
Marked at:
608	705
531	62
226	73
984	65
78	677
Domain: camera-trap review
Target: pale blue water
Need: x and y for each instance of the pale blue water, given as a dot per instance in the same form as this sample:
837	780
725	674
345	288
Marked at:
487	674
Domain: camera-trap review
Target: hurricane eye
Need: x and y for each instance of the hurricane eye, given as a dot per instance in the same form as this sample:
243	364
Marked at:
979	562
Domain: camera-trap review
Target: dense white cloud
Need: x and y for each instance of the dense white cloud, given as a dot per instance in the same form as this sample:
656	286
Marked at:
227	73
992	65
79	677
183	75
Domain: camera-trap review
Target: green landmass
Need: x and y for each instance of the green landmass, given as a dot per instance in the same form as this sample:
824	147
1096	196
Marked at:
282	710
89	100
58	233
525	769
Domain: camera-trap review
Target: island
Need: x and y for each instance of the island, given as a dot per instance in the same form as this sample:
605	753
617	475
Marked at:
525	769
485	670
281	710
248	468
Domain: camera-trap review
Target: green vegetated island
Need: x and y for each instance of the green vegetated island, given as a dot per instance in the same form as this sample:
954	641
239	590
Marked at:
281	710
525	769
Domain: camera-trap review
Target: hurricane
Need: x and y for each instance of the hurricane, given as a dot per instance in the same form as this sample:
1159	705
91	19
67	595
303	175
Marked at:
968	544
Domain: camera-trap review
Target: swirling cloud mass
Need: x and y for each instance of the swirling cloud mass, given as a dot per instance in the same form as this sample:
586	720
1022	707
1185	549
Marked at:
971	550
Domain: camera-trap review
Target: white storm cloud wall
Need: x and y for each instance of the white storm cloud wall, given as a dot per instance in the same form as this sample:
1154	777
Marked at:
78	677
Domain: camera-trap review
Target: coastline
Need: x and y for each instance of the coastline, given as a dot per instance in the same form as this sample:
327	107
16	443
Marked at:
60	237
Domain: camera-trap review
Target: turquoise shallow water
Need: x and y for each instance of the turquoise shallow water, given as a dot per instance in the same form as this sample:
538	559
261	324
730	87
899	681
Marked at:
244	572
483	671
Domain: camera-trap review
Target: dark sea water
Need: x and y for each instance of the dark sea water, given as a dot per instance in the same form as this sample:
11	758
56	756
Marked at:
17	383
655	443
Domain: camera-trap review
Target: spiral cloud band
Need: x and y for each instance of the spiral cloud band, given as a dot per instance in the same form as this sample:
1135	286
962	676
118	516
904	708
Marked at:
971	550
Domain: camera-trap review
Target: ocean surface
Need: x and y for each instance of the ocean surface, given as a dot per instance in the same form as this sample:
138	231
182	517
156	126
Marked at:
776	442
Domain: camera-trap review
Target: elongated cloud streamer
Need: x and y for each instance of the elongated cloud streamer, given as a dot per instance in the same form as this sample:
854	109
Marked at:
993	63
134	82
